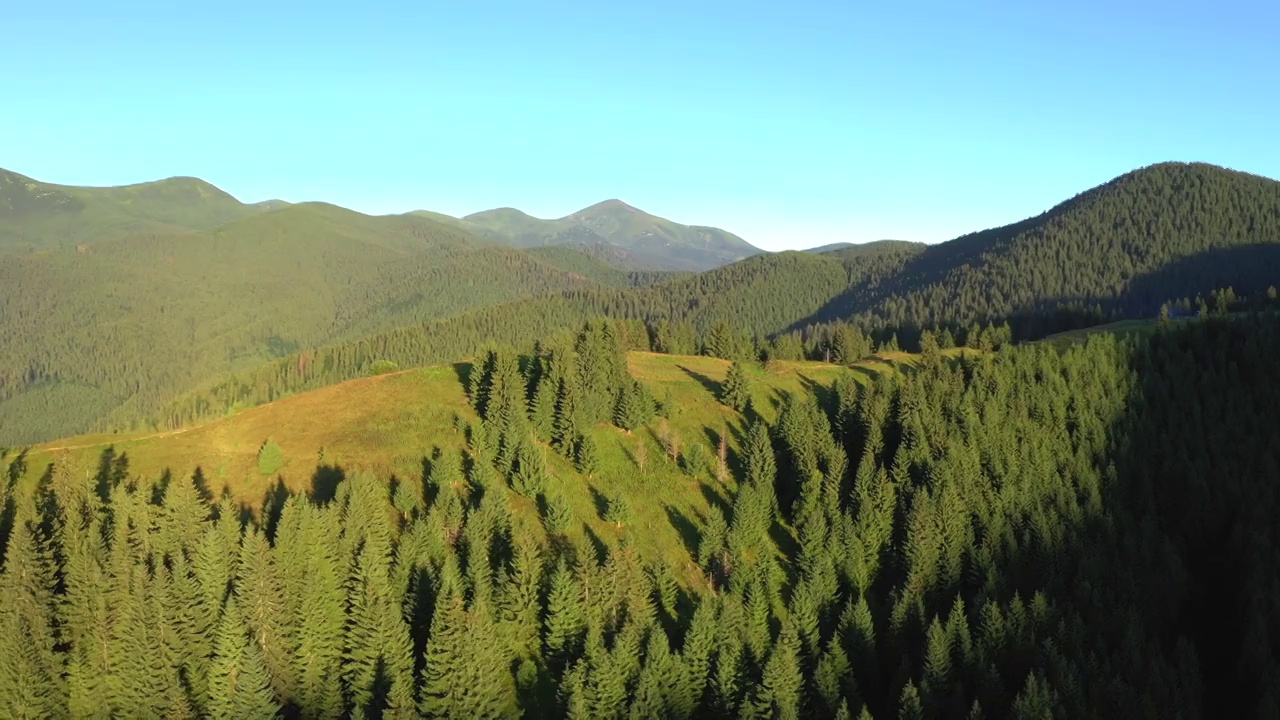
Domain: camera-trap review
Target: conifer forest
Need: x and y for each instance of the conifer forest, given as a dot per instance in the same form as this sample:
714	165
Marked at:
1026	533
613	466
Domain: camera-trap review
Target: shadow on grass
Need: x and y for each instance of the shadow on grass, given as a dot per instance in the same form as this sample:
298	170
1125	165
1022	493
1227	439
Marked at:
599	502
595	544
463	371
711	386
324	483
688	531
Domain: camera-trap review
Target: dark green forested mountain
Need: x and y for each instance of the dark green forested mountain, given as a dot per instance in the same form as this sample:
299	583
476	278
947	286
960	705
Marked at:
649	242
605	267
36	215
1167	231
849	249
1030	534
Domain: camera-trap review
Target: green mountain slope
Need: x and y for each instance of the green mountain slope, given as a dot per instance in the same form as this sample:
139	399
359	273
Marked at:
36	215
1163	232
337	291
136	320
649	242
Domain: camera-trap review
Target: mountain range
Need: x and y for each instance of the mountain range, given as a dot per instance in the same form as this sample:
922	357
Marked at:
643	240
118	302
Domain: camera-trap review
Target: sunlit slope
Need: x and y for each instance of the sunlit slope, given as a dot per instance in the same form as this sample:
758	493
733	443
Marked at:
392	424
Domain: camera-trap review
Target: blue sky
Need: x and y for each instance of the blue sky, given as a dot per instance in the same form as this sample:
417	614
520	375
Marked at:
790	123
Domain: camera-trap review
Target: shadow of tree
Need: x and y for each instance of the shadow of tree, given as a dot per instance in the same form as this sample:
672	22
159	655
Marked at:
324	483
712	386
689	533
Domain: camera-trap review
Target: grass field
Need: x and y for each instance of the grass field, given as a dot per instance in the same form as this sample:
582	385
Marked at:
390	425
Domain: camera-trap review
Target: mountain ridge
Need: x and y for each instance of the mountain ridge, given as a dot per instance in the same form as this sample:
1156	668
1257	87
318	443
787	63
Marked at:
655	242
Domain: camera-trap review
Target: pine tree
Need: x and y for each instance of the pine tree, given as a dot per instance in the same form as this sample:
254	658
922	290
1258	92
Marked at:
634	407
588	455
909	706
238	683
530	477
467	671
736	389
780	693
565	623
618	511
31	684
262	601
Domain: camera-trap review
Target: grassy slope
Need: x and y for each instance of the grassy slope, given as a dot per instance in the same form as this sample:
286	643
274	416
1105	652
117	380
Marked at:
390	423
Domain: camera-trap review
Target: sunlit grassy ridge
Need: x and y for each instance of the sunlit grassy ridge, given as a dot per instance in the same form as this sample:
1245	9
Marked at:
391	425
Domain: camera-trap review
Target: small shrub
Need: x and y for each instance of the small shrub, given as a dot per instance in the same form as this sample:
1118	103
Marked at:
382	367
270	458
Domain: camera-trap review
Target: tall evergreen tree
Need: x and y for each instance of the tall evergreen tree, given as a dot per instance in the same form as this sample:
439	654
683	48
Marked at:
31	683
238	682
736	389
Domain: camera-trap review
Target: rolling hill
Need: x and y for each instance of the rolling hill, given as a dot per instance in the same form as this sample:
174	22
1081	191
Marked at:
387	425
39	216
645	241
110	326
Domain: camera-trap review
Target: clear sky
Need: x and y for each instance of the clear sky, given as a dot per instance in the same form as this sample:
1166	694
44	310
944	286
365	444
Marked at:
791	123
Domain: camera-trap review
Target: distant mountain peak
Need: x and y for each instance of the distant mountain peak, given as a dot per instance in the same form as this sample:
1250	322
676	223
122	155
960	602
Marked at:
663	244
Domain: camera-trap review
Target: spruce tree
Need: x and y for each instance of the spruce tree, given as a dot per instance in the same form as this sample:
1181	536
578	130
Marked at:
721	342
565	623
239	686
634	406
530	477
736	389
467	670
588	455
618	511
262	603
31	683
321	615
781	692
568	424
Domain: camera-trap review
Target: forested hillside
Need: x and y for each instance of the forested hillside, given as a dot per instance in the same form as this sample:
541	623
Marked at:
124	325
1122	249
743	302
291	299
1029	533
38	216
